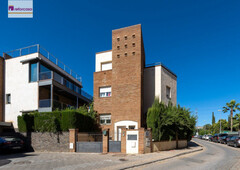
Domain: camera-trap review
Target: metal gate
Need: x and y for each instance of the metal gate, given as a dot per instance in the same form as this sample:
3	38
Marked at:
89	142
89	147
114	146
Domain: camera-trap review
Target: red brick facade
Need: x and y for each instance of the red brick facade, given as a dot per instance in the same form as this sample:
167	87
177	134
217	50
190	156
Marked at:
125	78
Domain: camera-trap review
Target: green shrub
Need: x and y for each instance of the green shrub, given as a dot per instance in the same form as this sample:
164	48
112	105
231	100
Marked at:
25	123
58	121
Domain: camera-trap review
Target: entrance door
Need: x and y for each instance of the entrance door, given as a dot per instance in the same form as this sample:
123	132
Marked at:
132	142
119	132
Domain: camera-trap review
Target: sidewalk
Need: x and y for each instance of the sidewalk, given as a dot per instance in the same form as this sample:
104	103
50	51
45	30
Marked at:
87	161
155	157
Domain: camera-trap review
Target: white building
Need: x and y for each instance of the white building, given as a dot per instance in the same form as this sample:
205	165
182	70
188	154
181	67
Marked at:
37	81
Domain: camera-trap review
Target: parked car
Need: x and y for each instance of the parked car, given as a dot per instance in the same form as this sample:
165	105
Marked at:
210	137
223	139
234	141
207	137
216	137
200	136
229	137
10	143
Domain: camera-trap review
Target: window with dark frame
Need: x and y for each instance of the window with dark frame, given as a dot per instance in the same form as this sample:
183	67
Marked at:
105	119
125	45
133	53
118	39
133	44
118	47
8	98
125	54
125	37
168	92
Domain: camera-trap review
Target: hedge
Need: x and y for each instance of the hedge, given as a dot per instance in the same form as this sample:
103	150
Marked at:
56	121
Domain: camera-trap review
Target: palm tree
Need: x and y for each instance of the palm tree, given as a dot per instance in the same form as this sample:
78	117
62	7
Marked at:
232	106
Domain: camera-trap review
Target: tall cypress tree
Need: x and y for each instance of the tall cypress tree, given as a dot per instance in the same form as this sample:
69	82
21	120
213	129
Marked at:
213	118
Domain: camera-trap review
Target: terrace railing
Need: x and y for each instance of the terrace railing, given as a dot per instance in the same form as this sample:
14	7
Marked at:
37	48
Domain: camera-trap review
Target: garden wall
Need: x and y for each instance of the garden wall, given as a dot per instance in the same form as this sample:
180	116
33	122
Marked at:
168	145
43	142
50	142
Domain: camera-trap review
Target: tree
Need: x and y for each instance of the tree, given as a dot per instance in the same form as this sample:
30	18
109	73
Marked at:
232	106
213	118
236	123
216	126
170	122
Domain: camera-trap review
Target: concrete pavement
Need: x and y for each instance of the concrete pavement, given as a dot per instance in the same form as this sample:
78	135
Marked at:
87	160
214	156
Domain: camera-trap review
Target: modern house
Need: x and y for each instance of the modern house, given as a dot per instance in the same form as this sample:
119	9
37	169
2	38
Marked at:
35	80
124	87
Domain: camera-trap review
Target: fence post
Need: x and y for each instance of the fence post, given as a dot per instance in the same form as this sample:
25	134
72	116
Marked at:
123	140
150	139
105	140
73	134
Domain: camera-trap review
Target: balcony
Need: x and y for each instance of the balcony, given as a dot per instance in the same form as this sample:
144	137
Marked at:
46	103
39	49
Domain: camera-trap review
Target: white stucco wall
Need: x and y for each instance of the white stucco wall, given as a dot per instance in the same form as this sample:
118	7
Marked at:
155	81
102	57
24	95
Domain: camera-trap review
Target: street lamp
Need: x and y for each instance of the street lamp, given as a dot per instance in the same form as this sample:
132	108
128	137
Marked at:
220	121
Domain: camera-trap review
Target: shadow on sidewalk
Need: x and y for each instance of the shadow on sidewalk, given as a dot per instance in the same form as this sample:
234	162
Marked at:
192	144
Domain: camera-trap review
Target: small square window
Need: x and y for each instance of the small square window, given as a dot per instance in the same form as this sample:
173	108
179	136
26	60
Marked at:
125	45
125	54
118	39
125	37
118	56
133	44
133	53
105	119
118	47
8	98
133	36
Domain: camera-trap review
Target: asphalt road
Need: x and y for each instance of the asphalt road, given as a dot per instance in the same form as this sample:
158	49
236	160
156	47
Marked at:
214	156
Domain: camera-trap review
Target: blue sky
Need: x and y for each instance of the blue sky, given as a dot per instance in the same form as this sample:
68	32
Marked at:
198	40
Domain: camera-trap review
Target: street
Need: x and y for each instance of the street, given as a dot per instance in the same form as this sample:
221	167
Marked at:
214	156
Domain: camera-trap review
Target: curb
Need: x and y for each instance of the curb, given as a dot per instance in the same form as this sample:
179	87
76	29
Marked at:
162	159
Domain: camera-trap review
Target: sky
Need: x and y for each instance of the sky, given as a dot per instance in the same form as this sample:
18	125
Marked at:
198	40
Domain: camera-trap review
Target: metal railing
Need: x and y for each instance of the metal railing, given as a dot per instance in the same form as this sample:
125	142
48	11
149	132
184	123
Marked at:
56	104
85	94
37	48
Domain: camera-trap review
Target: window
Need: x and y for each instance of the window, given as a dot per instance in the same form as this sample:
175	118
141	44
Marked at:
118	56
133	44
105	119
118	39
133	53
105	91
8	98
118	47
125	37
133	36
45	73
168	92
125	54
33	72
106	66
125	45
131	127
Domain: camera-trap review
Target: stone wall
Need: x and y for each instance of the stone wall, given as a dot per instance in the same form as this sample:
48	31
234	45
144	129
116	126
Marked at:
168	145
44	142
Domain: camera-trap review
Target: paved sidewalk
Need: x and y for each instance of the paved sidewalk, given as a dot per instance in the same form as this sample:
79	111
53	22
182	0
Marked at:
86	160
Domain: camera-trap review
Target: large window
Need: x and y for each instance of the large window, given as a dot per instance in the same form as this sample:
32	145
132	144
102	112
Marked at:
106	66
105	119
33	72
105	91
45	73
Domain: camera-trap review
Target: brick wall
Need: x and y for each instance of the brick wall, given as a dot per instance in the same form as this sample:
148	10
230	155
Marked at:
125	78
127	74
1	88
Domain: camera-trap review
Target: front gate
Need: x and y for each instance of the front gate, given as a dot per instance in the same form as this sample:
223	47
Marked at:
89	142
114	146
